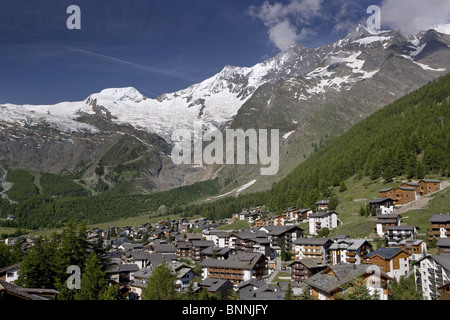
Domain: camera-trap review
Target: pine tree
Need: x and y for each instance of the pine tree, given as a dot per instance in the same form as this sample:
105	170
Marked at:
306	293
112	293
93	280
160	285
356	289
289	293
405	289
36	269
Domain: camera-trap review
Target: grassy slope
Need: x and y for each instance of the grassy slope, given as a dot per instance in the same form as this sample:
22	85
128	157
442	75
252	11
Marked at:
360	192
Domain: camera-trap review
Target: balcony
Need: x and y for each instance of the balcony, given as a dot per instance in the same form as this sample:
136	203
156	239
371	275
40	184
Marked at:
312	253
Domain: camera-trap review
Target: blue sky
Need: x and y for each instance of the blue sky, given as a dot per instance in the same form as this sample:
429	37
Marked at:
156	46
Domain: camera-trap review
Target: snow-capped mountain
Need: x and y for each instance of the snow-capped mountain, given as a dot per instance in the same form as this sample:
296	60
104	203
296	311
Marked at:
344	81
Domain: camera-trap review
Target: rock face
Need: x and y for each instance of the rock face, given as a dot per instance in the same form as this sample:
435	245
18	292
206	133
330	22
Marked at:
310	95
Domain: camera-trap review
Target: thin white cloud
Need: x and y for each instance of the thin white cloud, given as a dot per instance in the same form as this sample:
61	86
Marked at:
412	16
103	57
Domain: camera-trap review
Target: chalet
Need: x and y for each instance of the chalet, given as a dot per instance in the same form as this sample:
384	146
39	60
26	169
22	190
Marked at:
11	217
156	259
127	246
277	220
217	252
237	268
260	223
416	248
431	273
393	261
183	250
444	245
197	248
296	215
10	273
213	286
140	258
330	283
258	245
384	220
252	217
404	195
322	204
386	193
165	249
282	236
219	237
382	206
349	250
11	292
122	273
305	268
290	213
321	220
401	195
427	186
395	234
189	237
440	226
255	289
319	248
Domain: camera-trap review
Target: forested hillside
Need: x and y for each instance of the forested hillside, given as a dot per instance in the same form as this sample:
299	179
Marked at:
62	200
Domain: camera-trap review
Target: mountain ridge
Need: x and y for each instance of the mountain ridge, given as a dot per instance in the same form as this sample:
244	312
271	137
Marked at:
302	91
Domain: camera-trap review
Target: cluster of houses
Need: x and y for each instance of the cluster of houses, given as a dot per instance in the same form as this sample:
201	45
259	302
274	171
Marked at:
411	191
248	261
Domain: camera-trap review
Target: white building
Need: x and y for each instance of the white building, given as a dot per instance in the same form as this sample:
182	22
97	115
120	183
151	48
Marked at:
349	250
221	238
432	272
322	219
395	234
10	273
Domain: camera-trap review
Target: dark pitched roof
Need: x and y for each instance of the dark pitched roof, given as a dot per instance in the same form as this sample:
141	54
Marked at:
312	241
321	214
443	242
26	293
311	263
215	285
381	200
386	253
123	268
409	228
202	243
341	274
240	260
279	230
437	218
164	248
